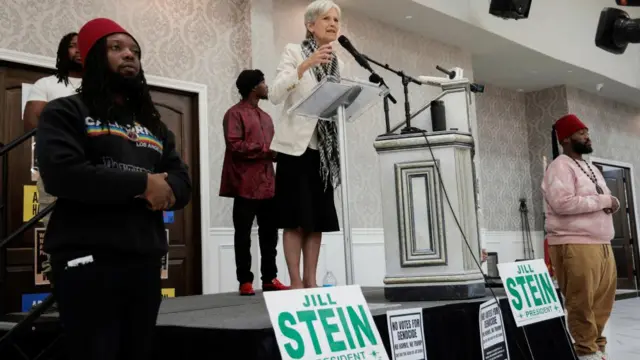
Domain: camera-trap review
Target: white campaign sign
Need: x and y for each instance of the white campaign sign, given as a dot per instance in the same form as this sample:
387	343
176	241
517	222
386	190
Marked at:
531	292
406	334
332	323
493	340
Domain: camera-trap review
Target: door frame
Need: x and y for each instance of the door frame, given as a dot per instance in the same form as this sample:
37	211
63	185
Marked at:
208	256
636	251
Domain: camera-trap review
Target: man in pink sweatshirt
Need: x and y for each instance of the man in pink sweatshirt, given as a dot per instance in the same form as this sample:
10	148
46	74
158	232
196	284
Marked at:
579	230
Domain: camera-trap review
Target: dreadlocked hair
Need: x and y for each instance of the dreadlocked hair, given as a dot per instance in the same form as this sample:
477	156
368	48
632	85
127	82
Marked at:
97	93
63	63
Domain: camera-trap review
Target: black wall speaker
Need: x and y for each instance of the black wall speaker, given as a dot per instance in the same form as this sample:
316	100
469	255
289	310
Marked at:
510	9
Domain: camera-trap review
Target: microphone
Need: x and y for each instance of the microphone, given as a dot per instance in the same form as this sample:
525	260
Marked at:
362	60
352	50
628	2
451	74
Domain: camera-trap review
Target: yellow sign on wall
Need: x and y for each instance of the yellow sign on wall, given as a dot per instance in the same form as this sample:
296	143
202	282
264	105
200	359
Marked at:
31	205
168	293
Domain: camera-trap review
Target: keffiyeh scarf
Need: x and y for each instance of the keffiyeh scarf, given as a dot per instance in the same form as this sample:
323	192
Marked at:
327	130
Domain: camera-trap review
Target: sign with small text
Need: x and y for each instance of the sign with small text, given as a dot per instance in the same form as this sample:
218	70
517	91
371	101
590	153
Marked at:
31	205
531	292
164	272
168	217
493	340
41	265
31	300
168	293
324	323
406	334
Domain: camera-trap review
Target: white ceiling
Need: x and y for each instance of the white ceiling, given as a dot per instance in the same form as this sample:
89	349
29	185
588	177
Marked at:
496	60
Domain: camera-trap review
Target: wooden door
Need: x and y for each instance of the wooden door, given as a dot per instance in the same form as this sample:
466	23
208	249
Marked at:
179	112
17	277
17	270
621	242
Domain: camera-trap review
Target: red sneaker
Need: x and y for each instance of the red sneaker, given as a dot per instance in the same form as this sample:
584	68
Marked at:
274	285
246	289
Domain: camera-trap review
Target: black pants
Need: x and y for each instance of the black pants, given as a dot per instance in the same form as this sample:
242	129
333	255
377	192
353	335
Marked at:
108	308
244	212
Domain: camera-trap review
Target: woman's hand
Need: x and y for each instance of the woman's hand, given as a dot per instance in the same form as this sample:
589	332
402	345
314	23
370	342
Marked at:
322	55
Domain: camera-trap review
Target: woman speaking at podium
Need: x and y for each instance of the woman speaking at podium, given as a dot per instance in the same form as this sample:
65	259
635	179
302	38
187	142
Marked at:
308	168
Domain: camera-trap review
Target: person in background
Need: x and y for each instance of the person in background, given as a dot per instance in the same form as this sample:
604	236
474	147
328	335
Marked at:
113	165
65	82
579	229
248	177
308	159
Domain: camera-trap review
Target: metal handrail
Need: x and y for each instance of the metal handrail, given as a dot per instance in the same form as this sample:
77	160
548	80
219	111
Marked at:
37	311
22	138
5	178
34	220
33	315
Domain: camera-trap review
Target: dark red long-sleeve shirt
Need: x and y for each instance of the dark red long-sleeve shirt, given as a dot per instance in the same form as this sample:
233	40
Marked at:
247	171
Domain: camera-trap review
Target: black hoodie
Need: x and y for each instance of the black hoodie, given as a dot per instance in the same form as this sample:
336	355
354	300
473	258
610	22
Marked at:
97	173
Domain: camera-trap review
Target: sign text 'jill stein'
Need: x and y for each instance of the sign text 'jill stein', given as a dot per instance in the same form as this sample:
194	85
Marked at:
531	292
324	324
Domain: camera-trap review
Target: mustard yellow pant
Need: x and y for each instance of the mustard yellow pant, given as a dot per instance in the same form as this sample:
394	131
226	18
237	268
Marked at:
587	278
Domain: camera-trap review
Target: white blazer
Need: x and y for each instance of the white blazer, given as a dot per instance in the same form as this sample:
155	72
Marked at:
293	133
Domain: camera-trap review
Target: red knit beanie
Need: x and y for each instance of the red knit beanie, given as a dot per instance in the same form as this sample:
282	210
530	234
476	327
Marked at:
95	30
567	126
564	128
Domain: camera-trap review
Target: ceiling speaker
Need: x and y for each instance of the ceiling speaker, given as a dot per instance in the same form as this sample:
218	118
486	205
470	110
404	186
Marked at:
510	9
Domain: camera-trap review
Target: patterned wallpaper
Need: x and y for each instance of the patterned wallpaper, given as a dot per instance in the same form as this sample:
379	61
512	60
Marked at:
543	108
515	133
504	161
614	129
401	50
211	41
200	41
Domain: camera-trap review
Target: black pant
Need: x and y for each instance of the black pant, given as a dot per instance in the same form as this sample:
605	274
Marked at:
108	308
244	211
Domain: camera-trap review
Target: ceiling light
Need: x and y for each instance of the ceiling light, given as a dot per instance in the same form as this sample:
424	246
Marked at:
408	17
519	90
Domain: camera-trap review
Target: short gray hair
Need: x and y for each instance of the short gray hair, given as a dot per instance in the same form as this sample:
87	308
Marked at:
317	9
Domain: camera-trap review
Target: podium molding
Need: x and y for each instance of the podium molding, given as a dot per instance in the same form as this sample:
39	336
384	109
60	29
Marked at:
427	254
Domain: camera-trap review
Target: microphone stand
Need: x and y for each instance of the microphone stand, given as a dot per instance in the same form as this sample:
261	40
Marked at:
406	79
377	79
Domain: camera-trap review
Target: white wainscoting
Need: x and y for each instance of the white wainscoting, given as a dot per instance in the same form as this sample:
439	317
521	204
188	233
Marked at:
510	245
368	255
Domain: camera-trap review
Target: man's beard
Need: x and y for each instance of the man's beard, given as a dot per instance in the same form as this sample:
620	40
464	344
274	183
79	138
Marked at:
75	66
128	86
581	148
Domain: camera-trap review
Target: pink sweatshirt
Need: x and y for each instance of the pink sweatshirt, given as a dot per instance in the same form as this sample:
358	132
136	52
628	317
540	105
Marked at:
574	209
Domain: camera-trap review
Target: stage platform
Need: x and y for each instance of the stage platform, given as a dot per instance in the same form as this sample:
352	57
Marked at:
229	326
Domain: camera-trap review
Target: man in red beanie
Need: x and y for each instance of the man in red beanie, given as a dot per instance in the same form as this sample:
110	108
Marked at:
113	165
579	229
